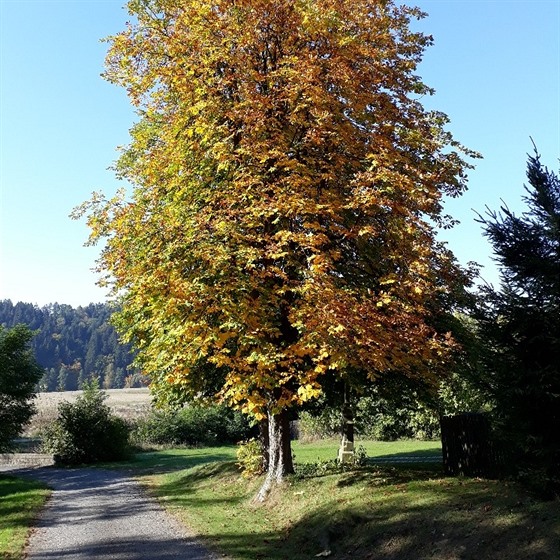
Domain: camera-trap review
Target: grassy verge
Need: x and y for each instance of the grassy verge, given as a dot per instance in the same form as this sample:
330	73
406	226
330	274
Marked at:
20	501
381	513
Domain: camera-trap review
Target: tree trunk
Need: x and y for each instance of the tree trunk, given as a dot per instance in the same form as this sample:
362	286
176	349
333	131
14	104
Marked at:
264	439
346	450
279	453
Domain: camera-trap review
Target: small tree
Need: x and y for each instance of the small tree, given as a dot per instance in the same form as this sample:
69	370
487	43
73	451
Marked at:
521	322
86	431
19	373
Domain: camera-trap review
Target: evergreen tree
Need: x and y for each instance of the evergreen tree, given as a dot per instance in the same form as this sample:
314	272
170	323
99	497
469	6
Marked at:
521	321
67	341
62	378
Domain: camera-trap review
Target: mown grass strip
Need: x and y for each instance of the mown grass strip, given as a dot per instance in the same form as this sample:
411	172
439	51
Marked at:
20	502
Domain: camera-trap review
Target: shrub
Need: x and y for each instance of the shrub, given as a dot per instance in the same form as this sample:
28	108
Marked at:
193	425
86	431
382	420
313	426
250	458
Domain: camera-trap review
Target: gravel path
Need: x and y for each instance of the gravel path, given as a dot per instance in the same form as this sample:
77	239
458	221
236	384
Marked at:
96	514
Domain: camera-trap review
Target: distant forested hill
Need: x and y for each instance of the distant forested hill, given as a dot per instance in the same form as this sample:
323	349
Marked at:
73	345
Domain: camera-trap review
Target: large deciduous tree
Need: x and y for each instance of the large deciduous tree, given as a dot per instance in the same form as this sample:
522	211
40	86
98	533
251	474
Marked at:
19	374
286	183
521	322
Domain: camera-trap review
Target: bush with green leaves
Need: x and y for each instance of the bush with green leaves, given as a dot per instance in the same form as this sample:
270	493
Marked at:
86	431
389	412
193	425
250	458
319	424
385	420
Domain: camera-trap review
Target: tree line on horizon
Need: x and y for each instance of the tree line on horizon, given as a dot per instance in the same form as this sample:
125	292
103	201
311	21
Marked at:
73	345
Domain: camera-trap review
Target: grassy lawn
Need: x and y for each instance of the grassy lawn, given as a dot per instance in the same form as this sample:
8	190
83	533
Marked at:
183	458
20	501
328	449
376	513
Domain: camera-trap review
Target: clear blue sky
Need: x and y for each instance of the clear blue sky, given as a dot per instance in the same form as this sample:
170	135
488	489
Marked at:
495	66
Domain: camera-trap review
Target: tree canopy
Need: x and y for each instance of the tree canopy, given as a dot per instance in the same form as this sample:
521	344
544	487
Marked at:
286	186
19	373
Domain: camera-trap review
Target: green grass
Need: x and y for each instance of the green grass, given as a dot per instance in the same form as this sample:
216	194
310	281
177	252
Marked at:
324	450
20	502
382	513
166	460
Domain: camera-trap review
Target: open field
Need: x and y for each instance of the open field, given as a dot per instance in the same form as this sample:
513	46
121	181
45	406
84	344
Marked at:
20	502
374	513
127	403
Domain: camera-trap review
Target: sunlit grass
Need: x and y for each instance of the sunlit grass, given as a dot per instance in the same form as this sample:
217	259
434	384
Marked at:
381	513
323	450
20	502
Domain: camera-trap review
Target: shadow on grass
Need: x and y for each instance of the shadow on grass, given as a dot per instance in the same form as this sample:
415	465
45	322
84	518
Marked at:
403	514
156	462
418	459
377	476
177	491
465	528
410	454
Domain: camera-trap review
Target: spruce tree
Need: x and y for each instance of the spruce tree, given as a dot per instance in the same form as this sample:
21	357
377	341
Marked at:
521	322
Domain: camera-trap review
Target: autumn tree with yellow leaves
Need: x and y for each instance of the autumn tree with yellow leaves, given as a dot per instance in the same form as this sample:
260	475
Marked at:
286	183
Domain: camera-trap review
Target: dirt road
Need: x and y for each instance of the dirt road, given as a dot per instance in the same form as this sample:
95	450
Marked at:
96	514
